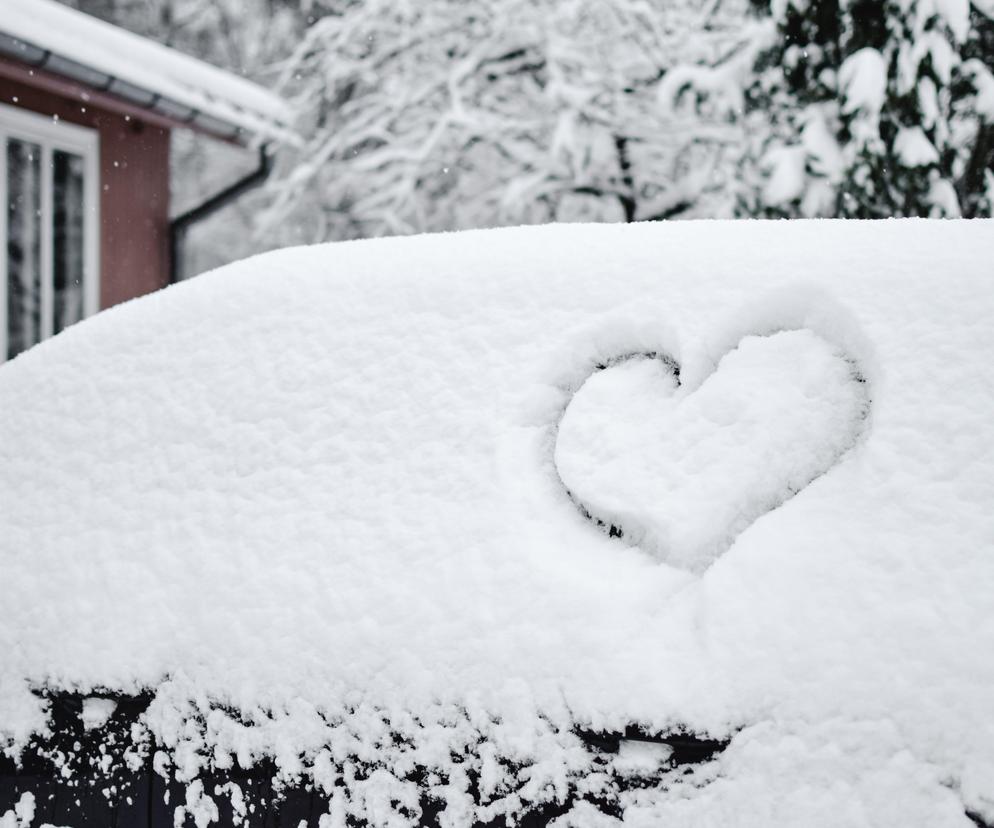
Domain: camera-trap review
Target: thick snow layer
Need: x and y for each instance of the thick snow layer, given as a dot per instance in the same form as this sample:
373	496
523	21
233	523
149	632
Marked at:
328	489
684	473
71	34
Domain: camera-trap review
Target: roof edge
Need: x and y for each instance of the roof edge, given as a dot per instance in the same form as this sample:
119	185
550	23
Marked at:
139	100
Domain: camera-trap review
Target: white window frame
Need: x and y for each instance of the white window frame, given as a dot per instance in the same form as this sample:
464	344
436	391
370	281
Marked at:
51	134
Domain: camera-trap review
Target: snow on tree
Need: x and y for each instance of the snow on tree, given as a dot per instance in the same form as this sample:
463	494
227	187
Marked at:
873	109
447	114
244	36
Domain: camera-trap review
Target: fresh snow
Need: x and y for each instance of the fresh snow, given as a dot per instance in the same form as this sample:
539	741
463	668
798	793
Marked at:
956	14
684	471
863	78
96	712
984	80
913	147
21	814
786	180
91	42
328	505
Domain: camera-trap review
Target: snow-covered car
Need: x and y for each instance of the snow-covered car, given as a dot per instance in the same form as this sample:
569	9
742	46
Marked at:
674	524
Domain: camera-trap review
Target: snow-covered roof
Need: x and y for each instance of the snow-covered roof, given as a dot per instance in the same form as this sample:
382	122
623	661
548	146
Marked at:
68	42
331	504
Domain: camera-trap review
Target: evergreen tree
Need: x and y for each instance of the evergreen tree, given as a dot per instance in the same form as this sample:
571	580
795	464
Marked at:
876	108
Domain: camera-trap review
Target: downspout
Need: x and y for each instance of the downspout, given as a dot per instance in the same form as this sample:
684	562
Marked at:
179	226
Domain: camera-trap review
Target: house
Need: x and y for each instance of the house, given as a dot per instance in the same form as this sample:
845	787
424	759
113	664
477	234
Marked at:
86	112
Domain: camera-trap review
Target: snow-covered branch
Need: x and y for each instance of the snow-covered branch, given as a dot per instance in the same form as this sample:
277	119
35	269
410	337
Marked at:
487	112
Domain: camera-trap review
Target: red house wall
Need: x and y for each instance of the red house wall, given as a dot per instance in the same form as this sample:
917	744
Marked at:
134	183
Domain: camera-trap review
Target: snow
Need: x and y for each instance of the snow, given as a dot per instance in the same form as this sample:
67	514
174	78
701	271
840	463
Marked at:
480	114
942	196
939	49
928	100
200	807
786	180
21	815
863	87
316	502
71	34
96	712
685	473
721	85
863	79
983	79
823	150
956	14
913	148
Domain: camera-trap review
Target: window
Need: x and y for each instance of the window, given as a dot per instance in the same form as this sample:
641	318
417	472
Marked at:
49	224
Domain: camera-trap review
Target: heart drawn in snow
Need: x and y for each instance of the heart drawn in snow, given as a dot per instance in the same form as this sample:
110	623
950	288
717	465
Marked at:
680	472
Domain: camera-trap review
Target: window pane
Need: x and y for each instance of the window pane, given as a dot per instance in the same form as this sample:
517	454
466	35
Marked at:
23	246
67	239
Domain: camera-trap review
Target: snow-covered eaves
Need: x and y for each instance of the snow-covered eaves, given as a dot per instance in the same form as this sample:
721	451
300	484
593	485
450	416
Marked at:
47	35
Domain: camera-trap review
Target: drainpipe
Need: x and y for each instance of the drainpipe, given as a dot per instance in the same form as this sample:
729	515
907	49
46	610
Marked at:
178	226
